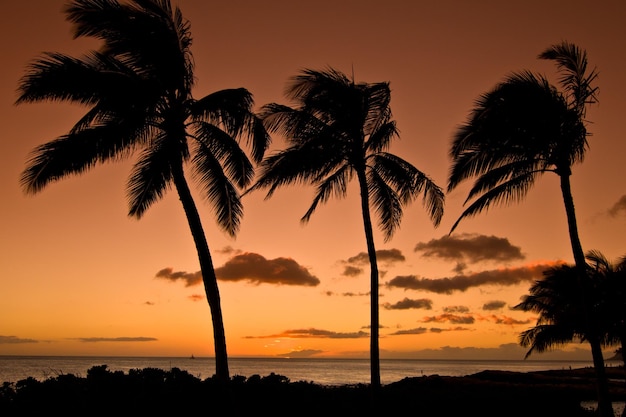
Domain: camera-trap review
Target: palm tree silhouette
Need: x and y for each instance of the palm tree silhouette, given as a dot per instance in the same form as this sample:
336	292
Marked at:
138	88
338	130
562	316
518	131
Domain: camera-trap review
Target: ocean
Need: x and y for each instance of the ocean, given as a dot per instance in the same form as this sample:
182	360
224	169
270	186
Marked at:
322	371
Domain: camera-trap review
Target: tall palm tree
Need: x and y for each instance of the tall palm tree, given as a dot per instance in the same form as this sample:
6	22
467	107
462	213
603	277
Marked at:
138	90
521	129
337	130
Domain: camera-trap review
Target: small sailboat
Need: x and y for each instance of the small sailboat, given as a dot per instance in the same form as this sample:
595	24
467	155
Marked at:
192	357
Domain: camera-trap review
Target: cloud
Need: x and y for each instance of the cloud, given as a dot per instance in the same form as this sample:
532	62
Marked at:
423	330
494	305
257	269
196	297
456	309
352	271
470	248
448	317
407	303
619	208
305	353
386	256
190	278
312	333
250	267
116	339
506	320
505	276
14	340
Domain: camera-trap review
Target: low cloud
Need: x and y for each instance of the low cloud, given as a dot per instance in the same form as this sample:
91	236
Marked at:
408	303
456	309
250	267
494	305
115	339
619	208
305	353
423	330
387	256
470	248
503	277
14	340
352	271
450	318
506	320
312	333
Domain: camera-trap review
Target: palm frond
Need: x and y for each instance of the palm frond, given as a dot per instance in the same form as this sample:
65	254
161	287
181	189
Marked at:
150	177
386	203
335	184
218	189
217	144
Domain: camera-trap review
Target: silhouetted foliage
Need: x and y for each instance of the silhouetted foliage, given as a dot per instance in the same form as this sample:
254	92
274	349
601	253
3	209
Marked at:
338	130
138	88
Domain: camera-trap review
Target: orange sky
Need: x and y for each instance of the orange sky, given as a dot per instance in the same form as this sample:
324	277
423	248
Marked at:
80	277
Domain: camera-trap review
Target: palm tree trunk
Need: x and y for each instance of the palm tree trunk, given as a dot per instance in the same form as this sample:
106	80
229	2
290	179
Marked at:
605	408
208	274
374	311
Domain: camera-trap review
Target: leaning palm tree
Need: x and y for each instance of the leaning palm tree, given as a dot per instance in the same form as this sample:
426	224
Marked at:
518	131
138	90
337	130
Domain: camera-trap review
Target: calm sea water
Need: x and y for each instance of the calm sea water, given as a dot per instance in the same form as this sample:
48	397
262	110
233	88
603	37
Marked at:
322	371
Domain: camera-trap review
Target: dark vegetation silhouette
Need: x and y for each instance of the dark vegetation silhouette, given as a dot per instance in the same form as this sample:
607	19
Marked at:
521	129
336	131
138	90
153	391
562	316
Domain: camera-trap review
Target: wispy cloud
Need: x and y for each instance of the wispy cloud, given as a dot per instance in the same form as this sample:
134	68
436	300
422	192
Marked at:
408	303
250	267
450	318
504	276
619	208
14	340
115	339
423	330
506	320
304	353
312	333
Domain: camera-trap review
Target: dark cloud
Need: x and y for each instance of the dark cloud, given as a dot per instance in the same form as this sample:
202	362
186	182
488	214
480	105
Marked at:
305	353
505	277
14	340
451	318
259	270
407	303
422	330
619	208
116	339
250	267
352	271
229	250
312	333
494	305
456	309
387	256
197	297
471	248
189	278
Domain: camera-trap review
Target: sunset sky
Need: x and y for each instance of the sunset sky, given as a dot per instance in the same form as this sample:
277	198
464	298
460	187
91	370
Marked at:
80	277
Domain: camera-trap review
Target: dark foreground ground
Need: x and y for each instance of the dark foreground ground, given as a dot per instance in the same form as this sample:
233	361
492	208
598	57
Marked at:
157	392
